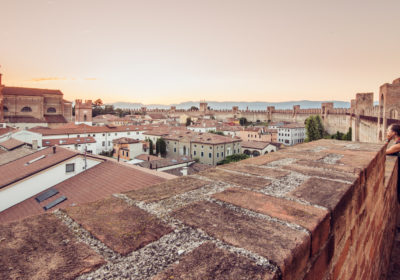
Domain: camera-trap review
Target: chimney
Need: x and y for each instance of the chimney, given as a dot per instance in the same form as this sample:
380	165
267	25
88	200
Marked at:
34	145
184	171
54	149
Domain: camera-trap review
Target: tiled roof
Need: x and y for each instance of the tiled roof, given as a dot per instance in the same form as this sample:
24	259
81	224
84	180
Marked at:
199	137
24	119
164	162
7	129
11	144
255	144
147	157
55	119
88	129
293	125
20	168
67	141
29	91
125	140
95	183
157	116
9	156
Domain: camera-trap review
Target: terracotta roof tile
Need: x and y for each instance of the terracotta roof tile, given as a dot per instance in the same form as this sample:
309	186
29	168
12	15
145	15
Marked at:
125	140
55	119
24	119
67	141
21	168
254	144
11	144
95	183
9	156
29	91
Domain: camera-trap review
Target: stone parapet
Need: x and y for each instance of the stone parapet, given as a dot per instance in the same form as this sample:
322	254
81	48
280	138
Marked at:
320	210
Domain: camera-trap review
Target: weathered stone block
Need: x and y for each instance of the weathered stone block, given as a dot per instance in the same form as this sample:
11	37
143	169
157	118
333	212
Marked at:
122	227
288	248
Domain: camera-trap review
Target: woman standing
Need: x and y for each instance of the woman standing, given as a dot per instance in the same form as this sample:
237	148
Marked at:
393	133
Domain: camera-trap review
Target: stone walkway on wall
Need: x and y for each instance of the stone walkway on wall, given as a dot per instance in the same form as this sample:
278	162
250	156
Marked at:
313	211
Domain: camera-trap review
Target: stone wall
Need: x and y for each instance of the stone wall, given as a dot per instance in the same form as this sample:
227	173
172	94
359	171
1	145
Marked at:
320	210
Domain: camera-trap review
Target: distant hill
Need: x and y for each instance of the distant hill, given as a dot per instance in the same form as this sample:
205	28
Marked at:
305	104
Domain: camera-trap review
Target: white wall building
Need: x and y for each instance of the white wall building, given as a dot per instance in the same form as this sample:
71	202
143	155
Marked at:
291	134
38	172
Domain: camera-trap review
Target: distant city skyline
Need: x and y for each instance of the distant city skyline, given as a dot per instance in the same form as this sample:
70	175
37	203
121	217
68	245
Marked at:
164	52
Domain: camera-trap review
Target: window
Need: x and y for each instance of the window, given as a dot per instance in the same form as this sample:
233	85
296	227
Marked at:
51	110
104	134
210	147
26	109
115	134
129	133
78	136
103	143
70	167
174	150
194	153
137	133
222	154
5	108
202	154
109	143
217	154
209	155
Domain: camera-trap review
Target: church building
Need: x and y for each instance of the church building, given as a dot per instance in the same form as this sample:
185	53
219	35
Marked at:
29	107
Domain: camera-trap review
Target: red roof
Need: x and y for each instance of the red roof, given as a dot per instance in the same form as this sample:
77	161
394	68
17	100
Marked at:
55	119
67	141
31	164
7	129
24	119
11	144
68	129
125	140
97	182
29	91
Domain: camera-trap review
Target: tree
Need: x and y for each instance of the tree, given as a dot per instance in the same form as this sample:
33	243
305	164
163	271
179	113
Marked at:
151	147
314	128
161	147
188	121
242	121
216	132
97	103
348	135
194	108
233	158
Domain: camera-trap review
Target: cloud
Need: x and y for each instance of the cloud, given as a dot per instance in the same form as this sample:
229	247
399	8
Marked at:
90	79
48	79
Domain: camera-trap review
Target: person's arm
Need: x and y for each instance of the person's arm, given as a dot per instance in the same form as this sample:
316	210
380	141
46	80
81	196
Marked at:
394	149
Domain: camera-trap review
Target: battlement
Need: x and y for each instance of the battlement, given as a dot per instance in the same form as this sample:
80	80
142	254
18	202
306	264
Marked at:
80	104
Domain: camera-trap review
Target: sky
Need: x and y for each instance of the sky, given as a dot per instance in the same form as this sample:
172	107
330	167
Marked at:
171	51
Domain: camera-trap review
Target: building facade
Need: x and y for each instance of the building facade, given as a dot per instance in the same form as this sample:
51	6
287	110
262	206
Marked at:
28	107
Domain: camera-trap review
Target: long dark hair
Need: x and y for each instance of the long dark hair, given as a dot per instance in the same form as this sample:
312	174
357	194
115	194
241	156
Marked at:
395	128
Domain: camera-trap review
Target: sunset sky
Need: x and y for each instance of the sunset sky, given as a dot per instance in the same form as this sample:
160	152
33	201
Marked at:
173	51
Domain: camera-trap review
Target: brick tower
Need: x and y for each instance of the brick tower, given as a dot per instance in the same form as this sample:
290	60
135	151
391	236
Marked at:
83	111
